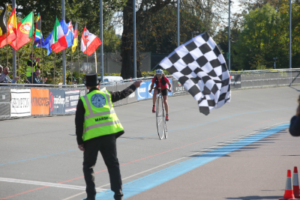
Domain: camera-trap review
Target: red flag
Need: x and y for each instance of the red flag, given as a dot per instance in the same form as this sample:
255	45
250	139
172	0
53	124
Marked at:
12	29
89	42
24	32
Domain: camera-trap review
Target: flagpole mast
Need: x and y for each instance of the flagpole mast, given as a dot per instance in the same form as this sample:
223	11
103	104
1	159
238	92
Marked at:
64	51
14	51
7	46
42	48
31	48
79	64
72	65
87	57
134	39
101	37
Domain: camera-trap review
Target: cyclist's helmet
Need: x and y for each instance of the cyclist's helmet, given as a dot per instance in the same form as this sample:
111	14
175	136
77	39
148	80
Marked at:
159	71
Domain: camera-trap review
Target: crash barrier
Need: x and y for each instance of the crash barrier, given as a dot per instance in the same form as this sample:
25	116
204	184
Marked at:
18	100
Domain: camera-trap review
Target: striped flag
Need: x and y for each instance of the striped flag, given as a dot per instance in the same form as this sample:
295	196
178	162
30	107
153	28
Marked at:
89	42
58	40
24	32
75	42
3	27
38	36
12	29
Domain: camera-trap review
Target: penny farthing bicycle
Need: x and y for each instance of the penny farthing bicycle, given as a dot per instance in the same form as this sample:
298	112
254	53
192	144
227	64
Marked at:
161	124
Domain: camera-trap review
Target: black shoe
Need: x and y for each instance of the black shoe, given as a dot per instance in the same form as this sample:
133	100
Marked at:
89	198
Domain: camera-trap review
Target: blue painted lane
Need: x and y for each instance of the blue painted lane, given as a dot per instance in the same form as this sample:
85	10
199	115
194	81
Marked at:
152	180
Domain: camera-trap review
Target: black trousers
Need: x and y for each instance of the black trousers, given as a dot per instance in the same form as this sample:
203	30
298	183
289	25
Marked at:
107	146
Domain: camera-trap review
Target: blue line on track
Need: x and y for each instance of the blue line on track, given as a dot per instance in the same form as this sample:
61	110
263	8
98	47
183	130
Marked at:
152	180
122	140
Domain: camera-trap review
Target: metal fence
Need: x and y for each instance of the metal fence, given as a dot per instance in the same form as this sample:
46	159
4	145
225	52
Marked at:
19	100
267	78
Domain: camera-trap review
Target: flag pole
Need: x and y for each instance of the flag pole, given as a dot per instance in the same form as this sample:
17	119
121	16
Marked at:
7	49
96	61
42	49
87	57
17	55
79	64
32	48
14	51
6	41
71	65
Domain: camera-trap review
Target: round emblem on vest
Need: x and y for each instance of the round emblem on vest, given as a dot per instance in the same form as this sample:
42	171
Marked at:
98	100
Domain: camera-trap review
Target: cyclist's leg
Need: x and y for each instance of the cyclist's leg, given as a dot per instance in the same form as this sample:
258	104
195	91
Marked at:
165	97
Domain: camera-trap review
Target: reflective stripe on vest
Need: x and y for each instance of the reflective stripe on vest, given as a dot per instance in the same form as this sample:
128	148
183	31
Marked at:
97	114
100	120
30	69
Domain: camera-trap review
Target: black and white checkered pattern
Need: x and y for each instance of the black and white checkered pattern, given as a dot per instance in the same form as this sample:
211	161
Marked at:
201	68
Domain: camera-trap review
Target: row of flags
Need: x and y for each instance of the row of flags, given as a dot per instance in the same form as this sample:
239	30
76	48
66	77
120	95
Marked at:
63	35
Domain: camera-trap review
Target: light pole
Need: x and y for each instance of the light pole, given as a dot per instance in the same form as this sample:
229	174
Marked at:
178	23
229	59
101	37
275	58
290	36
134	39
64	51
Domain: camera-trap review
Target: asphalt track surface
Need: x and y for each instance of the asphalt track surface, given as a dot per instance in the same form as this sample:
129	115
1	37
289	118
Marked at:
39	158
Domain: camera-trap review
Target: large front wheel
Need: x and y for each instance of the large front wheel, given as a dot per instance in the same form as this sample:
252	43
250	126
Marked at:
160	118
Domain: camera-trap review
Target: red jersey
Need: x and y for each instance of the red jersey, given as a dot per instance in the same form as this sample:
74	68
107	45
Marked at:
165	86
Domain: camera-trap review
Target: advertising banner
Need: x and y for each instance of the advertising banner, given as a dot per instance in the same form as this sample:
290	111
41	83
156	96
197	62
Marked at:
82	92
57	102
143	90
178	88
39	101
71	100
20	105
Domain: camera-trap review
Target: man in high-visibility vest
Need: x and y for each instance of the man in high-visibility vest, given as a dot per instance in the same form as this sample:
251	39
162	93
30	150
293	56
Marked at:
97	128
32	64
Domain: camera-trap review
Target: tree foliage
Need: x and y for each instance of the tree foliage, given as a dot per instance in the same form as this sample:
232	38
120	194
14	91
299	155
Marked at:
264	35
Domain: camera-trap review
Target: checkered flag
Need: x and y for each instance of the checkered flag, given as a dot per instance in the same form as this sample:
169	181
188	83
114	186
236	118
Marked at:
201	68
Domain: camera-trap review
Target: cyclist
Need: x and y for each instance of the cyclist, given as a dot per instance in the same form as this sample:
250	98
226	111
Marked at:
161	81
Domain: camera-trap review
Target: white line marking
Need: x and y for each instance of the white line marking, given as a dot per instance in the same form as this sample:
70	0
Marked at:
57	185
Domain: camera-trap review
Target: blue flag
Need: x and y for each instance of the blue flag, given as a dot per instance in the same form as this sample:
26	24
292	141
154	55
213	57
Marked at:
68	31
46	44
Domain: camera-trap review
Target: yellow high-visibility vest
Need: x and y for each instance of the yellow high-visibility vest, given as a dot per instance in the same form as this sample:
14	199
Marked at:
30	69
99	118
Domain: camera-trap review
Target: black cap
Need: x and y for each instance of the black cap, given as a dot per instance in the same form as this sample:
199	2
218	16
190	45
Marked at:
91	80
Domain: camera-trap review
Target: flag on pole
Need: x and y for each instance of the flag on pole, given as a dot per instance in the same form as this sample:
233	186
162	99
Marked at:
38	36
68	31
89	42
12	28
46	43
75	42
25	31
3	27
58	40
201	68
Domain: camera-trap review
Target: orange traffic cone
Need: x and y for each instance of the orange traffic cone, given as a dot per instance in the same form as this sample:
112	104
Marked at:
288	194
296	183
